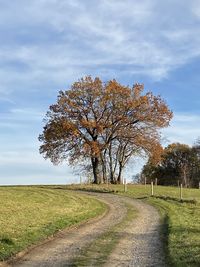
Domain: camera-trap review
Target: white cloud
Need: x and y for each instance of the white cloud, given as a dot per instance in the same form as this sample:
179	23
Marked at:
24	165
184	128
48	43
71	38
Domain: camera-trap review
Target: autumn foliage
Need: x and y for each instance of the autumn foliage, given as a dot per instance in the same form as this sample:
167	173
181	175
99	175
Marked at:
177	164
104	124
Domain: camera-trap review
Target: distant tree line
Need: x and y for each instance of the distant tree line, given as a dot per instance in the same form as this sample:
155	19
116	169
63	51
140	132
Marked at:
100	126
178	164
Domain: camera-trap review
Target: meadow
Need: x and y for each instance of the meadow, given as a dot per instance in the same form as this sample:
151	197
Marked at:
180	219
28	215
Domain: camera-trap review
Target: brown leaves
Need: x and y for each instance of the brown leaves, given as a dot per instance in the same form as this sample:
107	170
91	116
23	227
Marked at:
92	114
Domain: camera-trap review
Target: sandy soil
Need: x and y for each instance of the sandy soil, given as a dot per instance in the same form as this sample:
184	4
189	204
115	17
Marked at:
139	246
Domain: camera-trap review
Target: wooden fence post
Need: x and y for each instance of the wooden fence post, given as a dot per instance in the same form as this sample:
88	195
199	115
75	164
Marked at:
125	186
152	189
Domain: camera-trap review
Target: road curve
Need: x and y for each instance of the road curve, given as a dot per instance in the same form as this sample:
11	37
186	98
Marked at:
139	245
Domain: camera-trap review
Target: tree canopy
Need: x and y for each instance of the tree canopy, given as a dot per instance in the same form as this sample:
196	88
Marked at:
104	123
179	163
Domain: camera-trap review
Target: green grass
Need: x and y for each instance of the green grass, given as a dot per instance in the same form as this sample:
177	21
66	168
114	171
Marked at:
30	214
98	251
181	220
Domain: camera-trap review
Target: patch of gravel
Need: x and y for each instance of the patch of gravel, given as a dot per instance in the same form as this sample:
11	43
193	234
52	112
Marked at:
139	246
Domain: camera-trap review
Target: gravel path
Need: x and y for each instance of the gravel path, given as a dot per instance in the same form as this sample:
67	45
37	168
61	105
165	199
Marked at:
140	245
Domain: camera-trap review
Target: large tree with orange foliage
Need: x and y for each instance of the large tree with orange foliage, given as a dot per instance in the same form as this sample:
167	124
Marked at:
92	116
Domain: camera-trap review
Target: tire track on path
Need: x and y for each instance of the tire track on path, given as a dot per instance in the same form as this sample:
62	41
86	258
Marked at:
67	244
139	244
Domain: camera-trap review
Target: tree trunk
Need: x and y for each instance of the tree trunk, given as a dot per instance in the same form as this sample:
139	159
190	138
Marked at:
119	178
104	169
111	164
185	182
95	168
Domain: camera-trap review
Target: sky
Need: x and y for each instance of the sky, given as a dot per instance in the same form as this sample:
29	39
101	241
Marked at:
46	45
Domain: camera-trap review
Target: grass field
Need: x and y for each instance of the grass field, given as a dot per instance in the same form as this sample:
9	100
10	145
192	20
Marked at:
30	214
181	220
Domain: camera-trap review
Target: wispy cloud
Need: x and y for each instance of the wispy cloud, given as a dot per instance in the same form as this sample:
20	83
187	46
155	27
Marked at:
47	44
20	161
61	40
185	128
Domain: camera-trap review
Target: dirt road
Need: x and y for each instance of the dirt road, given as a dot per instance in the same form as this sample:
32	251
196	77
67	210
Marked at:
139	244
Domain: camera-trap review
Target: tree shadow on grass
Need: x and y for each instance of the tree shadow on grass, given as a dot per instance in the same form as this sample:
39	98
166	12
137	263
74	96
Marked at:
191	201
144	197
191	250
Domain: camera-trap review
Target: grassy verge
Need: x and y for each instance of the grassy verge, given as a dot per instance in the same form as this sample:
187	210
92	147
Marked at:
182	230
98	251
181	220
30	214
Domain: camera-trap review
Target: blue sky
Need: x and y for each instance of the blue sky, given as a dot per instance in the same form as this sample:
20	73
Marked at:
46	45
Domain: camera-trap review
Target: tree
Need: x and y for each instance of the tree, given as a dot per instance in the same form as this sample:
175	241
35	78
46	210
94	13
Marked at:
92	119
178	163
196	163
